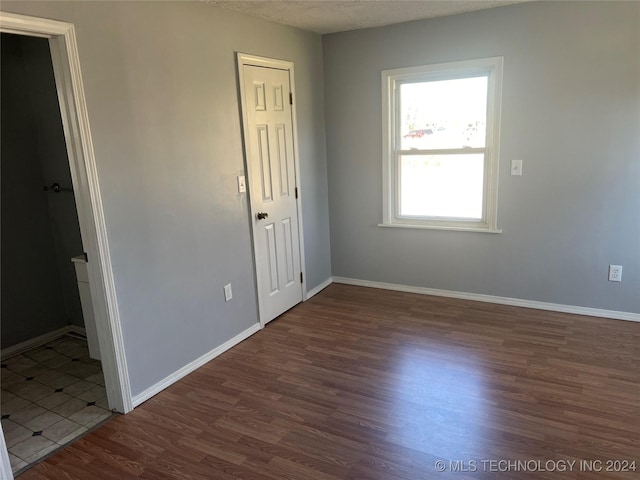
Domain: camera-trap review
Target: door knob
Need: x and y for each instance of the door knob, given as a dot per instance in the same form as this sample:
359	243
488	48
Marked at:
262	215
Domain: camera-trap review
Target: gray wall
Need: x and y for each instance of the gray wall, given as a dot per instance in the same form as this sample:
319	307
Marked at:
32	293
571	111
161	88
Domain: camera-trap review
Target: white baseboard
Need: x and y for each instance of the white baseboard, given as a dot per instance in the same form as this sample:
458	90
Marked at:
37	341
77	329
319	288
197	363
516	302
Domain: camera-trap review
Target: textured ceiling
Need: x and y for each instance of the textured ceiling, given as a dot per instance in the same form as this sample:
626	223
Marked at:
329	16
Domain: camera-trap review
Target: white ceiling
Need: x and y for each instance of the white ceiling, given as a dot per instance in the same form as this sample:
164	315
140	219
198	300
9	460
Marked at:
330	16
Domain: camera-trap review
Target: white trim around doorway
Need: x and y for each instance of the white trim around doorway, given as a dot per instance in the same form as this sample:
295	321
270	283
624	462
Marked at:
84	174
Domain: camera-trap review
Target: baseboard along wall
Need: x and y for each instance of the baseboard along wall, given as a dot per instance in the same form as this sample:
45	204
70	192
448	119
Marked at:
190	367
479	297
40	340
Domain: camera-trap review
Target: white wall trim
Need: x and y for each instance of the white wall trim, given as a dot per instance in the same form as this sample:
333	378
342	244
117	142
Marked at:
77	329
5	463
319	288
197	363
479	297
84	175
492	67
35	342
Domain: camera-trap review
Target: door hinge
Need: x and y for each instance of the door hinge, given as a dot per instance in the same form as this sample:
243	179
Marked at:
290	98
301	277
296	192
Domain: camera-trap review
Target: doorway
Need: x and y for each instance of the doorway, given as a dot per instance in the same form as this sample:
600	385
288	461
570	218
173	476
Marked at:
84	182
40	229
52	385
267	94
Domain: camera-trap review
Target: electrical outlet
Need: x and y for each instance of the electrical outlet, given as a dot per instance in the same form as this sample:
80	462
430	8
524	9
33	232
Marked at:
615	273
228	294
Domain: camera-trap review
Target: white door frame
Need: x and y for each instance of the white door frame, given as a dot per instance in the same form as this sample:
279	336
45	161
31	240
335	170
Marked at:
84	175
256	61
5	463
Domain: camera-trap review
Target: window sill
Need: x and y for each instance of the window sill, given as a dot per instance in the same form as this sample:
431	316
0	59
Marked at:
440	227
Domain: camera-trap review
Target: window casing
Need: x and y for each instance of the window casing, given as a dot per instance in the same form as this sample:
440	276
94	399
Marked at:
441	127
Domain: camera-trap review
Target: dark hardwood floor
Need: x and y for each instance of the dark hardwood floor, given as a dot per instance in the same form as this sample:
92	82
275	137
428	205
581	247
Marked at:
359	383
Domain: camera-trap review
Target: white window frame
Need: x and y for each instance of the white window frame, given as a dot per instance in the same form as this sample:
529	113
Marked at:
391	137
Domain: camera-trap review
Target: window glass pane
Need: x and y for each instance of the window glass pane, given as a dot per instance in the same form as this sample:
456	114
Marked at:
442	186
443	114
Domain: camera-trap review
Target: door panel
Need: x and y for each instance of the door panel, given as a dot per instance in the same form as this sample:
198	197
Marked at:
278	98
283	162
288	250
259	96
265	162
272	183
271	258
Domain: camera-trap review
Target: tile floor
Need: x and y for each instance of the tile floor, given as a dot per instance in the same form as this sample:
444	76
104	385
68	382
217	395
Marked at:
50	396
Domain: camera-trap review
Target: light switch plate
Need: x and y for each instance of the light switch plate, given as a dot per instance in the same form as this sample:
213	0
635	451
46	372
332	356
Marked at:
516	167
242	185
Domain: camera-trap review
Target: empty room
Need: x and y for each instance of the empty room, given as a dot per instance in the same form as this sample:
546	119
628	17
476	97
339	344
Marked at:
317	239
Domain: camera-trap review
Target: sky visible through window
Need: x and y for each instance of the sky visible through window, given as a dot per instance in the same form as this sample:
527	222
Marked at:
446	114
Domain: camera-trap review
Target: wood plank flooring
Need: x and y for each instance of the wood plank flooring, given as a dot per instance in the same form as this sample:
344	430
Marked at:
360	383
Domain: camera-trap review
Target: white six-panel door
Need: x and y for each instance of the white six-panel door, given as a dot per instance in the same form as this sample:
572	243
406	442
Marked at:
272	184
